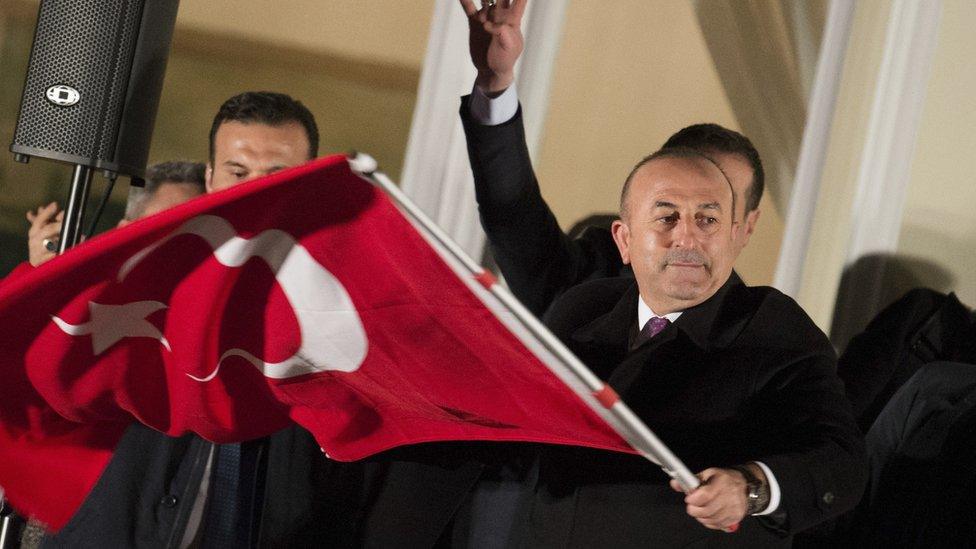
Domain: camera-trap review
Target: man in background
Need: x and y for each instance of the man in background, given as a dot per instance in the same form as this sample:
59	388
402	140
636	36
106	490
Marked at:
167	184
255	134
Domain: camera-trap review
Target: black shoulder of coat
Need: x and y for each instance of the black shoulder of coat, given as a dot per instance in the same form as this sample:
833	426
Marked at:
584	302
782	317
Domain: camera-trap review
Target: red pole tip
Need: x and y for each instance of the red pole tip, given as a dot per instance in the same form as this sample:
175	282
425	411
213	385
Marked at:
606	396
486	279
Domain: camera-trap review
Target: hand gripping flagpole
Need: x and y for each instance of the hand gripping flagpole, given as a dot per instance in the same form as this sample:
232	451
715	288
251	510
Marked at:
603	399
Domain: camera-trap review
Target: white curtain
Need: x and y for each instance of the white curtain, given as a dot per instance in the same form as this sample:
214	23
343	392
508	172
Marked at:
813	150
844	207
884	170
765	52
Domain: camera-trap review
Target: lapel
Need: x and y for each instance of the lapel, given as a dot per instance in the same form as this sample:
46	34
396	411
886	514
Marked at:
613	329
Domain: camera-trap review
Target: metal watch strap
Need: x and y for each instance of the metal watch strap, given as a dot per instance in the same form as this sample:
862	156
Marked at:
757	493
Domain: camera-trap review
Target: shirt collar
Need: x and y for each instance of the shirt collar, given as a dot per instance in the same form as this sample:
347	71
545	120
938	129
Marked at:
644	313
715	323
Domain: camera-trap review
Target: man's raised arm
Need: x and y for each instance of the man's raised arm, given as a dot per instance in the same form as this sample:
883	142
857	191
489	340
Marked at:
537	259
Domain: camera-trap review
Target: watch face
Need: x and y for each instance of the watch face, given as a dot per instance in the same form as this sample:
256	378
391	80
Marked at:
757	493
758	498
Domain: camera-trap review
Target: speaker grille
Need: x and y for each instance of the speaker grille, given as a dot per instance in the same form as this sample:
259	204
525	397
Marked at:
88	45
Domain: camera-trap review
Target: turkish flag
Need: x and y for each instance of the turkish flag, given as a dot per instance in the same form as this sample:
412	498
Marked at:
306	296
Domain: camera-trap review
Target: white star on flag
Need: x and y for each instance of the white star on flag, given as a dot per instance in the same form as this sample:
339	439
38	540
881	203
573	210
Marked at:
111	323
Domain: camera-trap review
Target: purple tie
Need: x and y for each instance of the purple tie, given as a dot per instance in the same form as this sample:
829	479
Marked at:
651	329
654	326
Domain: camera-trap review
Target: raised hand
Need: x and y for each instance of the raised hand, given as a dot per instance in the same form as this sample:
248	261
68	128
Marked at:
45	227
495	40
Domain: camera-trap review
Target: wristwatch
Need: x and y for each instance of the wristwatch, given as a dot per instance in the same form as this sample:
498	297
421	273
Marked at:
757	492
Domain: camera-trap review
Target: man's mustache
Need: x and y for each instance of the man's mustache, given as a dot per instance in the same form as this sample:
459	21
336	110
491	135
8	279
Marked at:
686	257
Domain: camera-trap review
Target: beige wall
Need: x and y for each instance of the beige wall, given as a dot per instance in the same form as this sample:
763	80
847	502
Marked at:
939	227
354	63
378	30
629	74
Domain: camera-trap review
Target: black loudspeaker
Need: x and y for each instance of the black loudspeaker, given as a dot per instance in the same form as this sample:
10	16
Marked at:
96	71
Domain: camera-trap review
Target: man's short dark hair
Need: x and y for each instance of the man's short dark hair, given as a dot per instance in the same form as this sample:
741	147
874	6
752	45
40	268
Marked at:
671	152
270	108
712	138
175	171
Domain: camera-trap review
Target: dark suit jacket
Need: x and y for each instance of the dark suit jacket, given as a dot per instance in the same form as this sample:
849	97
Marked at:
745	376
922	491
145	495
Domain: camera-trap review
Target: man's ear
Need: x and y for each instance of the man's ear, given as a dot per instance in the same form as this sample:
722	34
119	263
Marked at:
751	219
748	226
621	237
208	178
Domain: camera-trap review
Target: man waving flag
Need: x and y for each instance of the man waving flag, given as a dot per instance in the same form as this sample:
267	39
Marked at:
305	296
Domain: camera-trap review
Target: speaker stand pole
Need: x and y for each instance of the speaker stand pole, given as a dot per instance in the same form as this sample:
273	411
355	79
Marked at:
75	211
12	525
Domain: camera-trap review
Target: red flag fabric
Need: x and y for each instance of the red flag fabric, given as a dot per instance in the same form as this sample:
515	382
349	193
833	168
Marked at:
305	296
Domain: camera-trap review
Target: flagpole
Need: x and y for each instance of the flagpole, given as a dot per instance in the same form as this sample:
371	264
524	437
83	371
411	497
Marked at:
626	424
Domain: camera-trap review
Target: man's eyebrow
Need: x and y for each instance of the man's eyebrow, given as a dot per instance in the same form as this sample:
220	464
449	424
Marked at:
710	206
664	204
234	164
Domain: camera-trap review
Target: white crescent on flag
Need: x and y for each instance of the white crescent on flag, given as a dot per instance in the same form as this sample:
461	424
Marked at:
332	334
